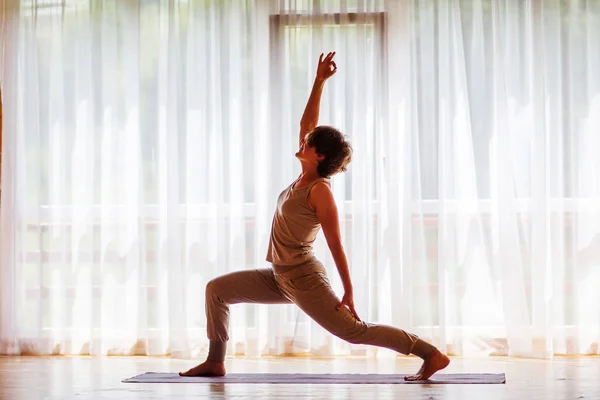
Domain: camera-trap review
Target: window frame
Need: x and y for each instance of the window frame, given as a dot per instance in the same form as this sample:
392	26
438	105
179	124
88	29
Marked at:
278	22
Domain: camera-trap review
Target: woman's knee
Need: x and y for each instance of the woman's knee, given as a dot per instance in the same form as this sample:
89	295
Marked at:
354	339
356	335
213	287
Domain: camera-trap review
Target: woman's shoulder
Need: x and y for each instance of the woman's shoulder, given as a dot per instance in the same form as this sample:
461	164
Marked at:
320	190
318	182
326	181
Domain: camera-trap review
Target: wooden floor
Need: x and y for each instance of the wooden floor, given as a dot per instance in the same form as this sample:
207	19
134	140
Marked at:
100	378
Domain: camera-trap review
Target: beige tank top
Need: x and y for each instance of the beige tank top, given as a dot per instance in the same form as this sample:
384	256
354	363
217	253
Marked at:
295	227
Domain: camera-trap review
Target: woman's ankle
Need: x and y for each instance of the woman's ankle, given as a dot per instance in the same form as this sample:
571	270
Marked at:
216	351
423	350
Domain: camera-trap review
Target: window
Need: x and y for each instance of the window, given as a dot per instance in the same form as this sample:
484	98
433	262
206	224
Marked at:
352	101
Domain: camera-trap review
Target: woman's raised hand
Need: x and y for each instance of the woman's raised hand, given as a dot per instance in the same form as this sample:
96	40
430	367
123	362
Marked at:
327	67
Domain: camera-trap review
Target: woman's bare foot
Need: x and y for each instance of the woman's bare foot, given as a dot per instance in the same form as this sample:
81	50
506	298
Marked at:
207	368
432	364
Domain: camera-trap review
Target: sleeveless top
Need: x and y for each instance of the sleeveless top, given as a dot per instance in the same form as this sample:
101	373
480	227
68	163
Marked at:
295	226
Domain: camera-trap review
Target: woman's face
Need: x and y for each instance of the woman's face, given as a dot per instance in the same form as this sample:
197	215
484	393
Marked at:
308	154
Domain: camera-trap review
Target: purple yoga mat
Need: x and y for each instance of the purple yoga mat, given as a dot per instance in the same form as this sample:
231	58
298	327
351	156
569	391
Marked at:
161	377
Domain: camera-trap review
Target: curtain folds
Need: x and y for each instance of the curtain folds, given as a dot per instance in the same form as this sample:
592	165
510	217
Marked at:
145	143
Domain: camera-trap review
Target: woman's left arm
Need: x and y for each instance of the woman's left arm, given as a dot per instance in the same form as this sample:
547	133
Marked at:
322	200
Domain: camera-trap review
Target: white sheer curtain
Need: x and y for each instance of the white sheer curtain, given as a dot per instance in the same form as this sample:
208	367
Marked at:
145	143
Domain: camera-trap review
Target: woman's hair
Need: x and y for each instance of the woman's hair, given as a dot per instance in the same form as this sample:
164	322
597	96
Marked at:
332	144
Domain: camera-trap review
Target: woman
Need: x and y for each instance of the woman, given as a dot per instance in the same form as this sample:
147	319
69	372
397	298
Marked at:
296	275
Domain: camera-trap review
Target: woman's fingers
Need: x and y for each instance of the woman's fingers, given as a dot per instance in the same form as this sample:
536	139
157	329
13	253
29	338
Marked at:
327	58
343	303
351	307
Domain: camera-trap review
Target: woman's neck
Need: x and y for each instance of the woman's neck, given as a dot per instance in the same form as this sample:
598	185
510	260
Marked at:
308	176
308	171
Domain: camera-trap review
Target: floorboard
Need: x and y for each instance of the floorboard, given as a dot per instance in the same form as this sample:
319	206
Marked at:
100	378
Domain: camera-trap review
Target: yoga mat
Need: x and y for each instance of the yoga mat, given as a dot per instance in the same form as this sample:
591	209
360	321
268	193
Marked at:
161	377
